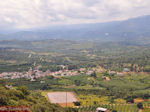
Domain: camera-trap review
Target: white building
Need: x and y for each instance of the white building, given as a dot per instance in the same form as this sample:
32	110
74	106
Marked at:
99	109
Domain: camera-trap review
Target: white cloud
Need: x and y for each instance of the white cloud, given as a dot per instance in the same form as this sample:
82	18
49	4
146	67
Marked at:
38	13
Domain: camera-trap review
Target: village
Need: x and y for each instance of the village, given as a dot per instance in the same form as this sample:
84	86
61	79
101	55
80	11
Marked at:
34	73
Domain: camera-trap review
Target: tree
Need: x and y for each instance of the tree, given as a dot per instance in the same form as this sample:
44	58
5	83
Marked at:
140	105
50	77
2	82
77	82
93	75
77	103
46	87
3	100
24	90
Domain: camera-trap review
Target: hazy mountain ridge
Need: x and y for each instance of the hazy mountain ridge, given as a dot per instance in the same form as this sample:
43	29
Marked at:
132	30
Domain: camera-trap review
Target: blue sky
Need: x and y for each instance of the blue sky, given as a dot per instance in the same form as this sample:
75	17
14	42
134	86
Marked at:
24	14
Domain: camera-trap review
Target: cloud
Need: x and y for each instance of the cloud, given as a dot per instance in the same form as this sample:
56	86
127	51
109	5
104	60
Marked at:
23	14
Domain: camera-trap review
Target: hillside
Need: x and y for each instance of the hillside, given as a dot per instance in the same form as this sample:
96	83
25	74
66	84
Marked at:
10	96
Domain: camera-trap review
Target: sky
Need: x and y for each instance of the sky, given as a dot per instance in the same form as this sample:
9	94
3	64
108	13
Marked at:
26	14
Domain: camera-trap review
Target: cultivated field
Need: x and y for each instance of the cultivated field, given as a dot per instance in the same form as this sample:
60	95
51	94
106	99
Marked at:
62	98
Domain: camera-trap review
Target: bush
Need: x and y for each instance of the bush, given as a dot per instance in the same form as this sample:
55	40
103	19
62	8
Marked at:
77	103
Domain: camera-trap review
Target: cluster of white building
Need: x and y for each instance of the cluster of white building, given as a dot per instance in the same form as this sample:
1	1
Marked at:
33	74
125	70
11	75
65	73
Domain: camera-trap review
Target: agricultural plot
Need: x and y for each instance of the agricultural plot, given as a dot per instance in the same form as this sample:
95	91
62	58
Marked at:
146	107
62	98
122	108
146	110
117	107
87	100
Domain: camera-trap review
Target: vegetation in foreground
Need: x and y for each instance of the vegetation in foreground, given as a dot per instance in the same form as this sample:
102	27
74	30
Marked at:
21	96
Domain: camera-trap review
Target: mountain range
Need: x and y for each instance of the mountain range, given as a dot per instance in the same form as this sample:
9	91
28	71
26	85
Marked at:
131	30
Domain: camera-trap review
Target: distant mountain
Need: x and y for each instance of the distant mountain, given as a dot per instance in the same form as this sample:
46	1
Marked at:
132	30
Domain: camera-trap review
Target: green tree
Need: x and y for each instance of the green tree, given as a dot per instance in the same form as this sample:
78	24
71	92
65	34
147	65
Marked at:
140	105
77	82
94	75
24	90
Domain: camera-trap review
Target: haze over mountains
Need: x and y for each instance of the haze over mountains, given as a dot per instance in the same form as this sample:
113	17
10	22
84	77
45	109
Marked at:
129	30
